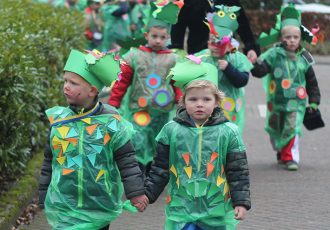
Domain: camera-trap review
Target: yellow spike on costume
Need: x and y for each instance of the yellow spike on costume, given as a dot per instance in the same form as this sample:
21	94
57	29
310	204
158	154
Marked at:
226	188
61	160
188	170
56	141
220	180
65	145
87	120
173	170
63	131
101	172
178	182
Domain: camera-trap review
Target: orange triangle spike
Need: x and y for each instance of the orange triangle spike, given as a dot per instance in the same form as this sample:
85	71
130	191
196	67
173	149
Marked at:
214	156
60	153
72	141
106	138
67	171
186	157
90	129
209	169
168	200
117	117
51	119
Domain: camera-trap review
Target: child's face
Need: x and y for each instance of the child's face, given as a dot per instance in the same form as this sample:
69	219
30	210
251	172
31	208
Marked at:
291	35
156	38
200	103
77	91
217	49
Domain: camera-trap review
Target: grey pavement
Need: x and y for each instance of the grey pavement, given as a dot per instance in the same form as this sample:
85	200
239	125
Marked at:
281	200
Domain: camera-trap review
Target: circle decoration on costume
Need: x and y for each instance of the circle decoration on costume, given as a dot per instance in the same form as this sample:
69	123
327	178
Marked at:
301	92
228	104
278	72
272	87
292	104
270	106
286	83
233	118
153	81
142	118
162	97
239	104
142	102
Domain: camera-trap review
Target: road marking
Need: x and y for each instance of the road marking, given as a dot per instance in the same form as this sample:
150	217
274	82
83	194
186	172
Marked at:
262	110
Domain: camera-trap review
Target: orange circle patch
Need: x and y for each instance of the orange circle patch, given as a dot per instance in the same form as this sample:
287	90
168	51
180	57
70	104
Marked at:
286	83
142	118
142	102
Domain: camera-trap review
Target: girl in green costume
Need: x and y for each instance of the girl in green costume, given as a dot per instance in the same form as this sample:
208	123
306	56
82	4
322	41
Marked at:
89	152
202	158
233	66
290	78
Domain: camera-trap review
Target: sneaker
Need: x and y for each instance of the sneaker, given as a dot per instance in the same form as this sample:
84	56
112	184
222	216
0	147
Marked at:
278	157
292	166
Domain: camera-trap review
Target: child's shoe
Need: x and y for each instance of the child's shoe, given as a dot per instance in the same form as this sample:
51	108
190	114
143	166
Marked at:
292	166
278	157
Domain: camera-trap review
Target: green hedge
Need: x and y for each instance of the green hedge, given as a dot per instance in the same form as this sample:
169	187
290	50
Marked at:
35	41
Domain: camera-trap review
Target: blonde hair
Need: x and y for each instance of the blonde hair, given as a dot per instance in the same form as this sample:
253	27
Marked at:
202	84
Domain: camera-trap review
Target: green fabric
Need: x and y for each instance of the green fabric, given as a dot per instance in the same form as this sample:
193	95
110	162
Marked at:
234	102
194	194
86	190
286	109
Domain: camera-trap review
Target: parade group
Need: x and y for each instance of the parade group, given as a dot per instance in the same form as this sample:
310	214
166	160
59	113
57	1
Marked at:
147	113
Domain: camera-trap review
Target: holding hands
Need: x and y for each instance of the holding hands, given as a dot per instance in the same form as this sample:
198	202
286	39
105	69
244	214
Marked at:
140	202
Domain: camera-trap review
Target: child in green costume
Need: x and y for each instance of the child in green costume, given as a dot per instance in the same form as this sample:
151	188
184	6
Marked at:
201	156
290	78
89	151
143	78
233	66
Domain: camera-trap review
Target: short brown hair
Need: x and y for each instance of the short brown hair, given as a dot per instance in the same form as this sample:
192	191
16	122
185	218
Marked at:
202	84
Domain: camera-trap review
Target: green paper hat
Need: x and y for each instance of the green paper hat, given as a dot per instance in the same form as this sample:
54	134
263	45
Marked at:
193	69
98	69
224	21
164	15
289	15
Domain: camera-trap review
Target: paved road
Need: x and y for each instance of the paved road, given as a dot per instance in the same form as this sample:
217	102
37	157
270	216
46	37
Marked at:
281	200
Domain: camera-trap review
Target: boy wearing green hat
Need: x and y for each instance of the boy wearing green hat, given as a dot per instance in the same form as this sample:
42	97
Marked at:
290	78
151	97
233	66
89	151
201	156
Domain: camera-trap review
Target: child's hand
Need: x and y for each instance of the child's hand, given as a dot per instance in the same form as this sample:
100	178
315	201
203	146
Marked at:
222	64
140	202
240	212
252	56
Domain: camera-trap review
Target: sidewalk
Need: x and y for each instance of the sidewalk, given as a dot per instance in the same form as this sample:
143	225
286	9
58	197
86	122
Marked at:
280	199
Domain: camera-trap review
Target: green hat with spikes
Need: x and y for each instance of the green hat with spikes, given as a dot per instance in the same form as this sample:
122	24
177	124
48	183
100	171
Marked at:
193	69
224	21
164	13
289	15
98	69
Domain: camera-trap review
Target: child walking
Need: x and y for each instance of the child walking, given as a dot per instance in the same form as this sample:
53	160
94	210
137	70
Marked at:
150	96
89	151
201	156
290	78
233	66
